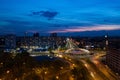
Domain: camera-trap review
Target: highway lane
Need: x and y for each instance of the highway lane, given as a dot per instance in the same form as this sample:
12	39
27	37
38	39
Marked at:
94	72
96	69
105	70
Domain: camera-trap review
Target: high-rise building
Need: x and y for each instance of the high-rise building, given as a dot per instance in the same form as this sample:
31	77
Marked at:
106	40
36	34
113	60
10	41
2	42
53	35
113	55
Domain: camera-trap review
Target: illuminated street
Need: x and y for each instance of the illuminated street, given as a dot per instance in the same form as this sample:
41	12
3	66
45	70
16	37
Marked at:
104	69
98	71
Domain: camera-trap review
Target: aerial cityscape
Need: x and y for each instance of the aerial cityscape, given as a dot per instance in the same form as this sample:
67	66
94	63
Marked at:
59	40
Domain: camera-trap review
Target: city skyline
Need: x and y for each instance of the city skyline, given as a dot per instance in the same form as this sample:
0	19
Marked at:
89	17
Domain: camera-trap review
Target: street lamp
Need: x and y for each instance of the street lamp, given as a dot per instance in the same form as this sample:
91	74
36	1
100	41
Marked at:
57	77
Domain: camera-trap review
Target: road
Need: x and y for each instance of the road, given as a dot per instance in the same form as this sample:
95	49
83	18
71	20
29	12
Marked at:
93	72
96	69
104	69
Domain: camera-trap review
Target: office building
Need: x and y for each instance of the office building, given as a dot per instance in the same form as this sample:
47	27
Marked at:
113	60
36	34
53	35
10	41
113	56
2	42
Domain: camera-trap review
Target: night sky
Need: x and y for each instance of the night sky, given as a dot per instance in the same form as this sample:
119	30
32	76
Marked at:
73	17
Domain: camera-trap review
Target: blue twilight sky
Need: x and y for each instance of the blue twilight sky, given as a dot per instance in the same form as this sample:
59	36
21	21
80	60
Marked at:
73	17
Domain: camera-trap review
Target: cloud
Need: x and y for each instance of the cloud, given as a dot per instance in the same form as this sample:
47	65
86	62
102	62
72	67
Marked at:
47	14
94	28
